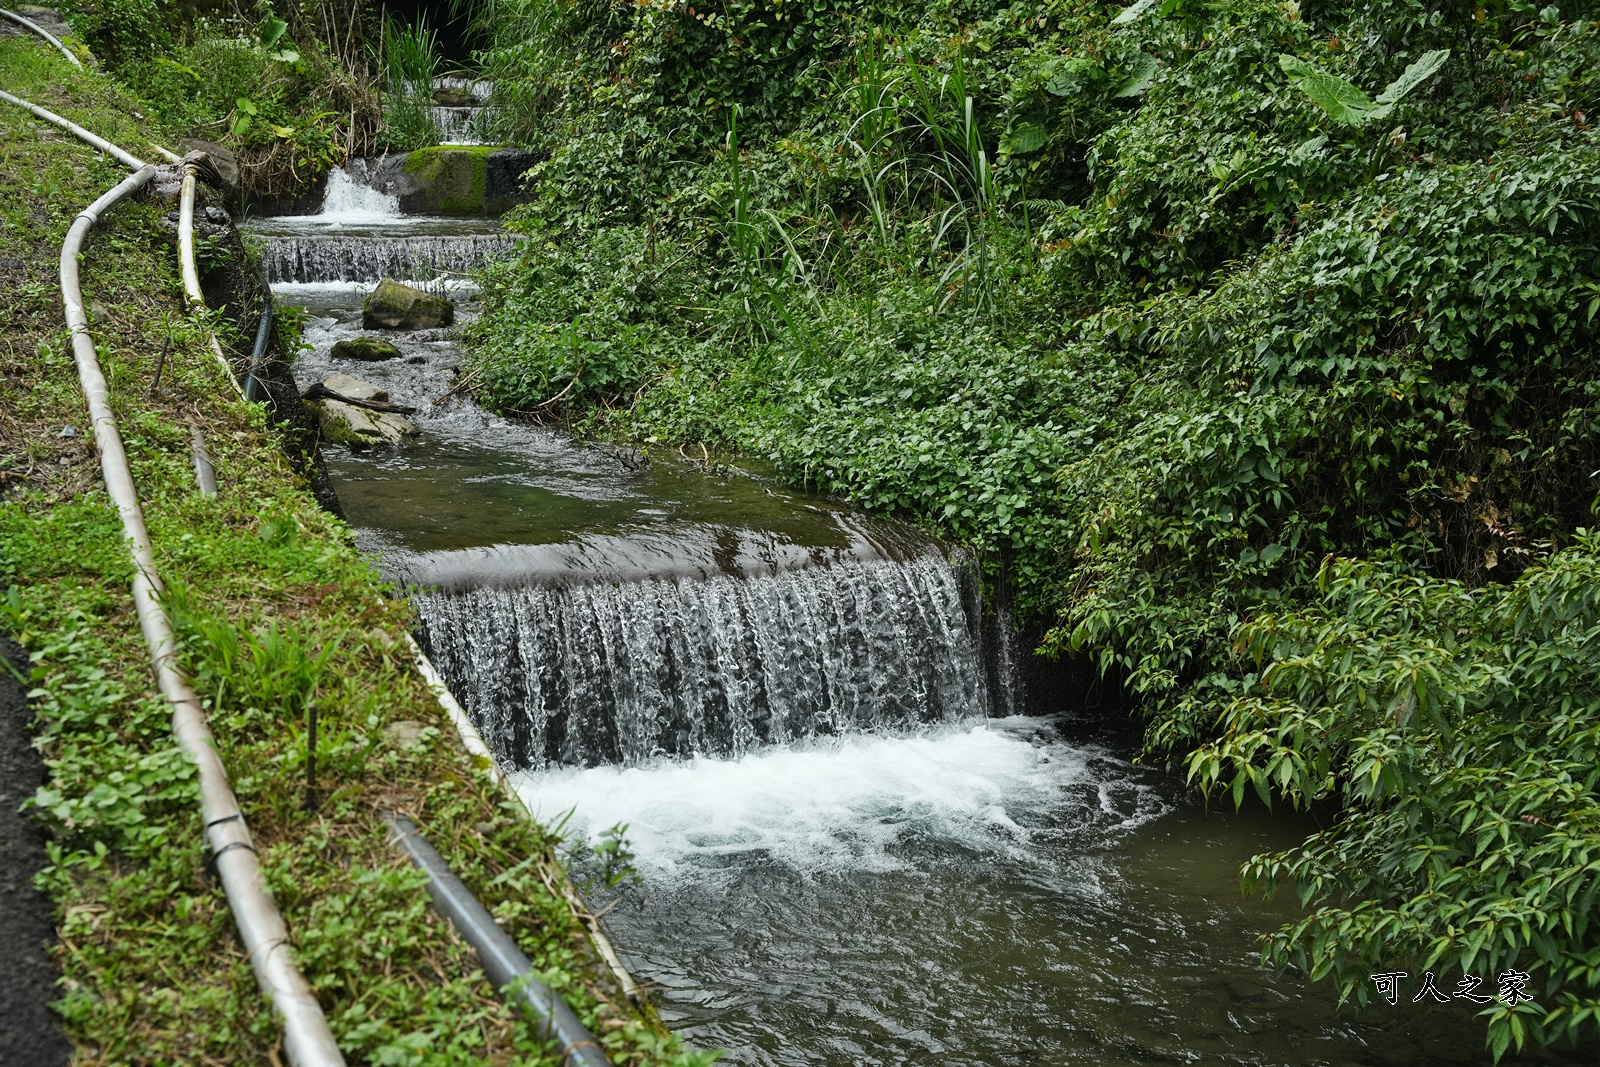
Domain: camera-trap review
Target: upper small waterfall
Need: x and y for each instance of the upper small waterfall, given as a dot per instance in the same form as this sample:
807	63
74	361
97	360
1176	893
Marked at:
361	235
346	197
608	673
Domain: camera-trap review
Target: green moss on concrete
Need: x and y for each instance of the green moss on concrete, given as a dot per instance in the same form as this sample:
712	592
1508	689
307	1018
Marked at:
454	176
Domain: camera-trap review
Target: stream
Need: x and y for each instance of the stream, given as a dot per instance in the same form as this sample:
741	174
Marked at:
845	851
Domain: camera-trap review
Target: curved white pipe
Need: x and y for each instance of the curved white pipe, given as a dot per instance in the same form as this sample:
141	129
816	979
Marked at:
128	160
46	34
306	1036
191	275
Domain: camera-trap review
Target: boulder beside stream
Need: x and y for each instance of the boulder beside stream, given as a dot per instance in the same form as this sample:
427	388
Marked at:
396	306
458	179
351	424
366	349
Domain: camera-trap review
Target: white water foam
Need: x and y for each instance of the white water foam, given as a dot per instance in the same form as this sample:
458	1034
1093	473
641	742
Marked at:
351	202
847	804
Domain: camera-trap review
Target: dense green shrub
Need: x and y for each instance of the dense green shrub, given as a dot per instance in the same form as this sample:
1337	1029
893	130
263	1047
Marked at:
288	106
1160	309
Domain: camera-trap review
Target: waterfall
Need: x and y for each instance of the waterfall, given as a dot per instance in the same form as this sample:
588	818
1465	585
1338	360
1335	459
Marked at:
460	125
337	258
346	198
621	673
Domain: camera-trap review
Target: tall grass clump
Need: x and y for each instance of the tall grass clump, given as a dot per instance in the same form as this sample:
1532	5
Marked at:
408	57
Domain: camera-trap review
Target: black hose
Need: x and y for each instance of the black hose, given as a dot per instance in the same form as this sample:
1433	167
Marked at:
263	331
503	962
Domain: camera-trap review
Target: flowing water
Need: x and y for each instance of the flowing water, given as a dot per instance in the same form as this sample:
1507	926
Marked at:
624	673
842	857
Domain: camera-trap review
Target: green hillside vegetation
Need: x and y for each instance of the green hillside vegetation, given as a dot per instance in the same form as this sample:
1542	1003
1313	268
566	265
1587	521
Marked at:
323	722
1255	341
291	96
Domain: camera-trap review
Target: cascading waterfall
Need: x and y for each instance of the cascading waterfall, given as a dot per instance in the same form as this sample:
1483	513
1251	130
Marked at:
605	673
349	199
361	235
460	125
334	258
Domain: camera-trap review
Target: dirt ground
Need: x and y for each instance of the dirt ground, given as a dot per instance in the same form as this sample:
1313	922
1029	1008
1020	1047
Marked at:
28	1030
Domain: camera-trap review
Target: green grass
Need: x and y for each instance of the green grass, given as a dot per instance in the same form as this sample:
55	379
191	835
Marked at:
276	610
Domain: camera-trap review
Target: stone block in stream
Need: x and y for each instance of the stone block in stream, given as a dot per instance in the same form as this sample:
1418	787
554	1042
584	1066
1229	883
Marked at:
350	423
353	388
457	179
366	349
396	306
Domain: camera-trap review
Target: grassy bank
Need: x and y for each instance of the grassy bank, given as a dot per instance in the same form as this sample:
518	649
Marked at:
277	613
1253	340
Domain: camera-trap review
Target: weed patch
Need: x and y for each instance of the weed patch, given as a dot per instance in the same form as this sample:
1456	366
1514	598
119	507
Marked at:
277	615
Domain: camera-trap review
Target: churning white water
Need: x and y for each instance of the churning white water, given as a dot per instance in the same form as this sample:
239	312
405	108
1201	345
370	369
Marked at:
351	201
849	804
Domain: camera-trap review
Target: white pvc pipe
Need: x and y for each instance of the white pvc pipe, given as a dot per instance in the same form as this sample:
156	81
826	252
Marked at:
46	34
128	160
306	1036
191	275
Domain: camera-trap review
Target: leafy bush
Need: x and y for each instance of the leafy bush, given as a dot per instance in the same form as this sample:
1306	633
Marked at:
1157	310
290	108
1461	728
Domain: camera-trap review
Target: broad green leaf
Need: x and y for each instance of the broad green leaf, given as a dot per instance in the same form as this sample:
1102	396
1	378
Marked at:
1140	75
1029	137
271	30
165	62
1069	76
1345	103
1413	76
1128	14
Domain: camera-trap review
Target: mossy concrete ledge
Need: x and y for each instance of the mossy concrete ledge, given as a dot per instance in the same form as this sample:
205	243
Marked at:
458	179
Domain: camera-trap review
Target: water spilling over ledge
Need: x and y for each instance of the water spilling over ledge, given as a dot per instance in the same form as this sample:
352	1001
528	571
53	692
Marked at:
349	258
623	673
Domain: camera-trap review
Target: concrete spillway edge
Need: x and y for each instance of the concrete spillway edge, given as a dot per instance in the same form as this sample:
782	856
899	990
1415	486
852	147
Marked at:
473	742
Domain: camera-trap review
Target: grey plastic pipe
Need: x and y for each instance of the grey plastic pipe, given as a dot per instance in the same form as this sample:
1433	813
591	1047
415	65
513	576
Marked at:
473	742
46	34
503	962
252	381
205	473
306	1036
